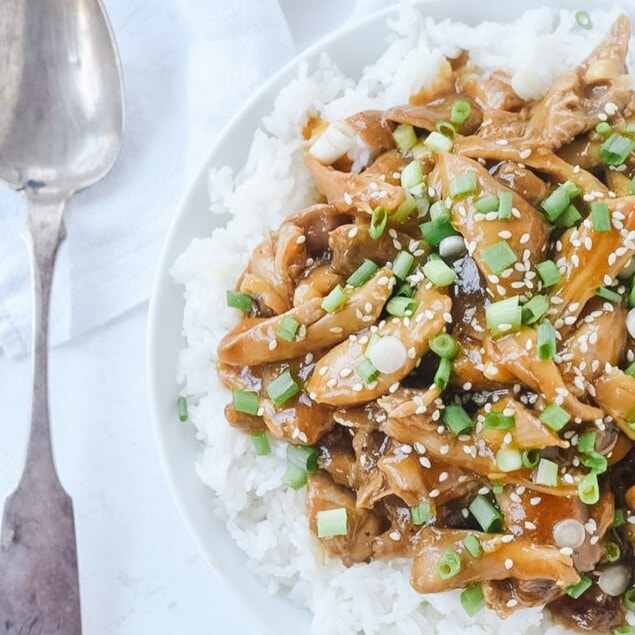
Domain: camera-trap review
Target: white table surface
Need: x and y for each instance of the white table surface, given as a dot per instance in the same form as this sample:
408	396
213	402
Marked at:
140	572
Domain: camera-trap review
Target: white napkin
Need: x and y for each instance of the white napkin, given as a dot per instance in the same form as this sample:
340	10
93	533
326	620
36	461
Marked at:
188	66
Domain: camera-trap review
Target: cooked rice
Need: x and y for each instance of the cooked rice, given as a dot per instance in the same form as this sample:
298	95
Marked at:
263	516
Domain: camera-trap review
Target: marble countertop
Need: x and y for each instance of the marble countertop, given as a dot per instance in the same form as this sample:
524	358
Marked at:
140	572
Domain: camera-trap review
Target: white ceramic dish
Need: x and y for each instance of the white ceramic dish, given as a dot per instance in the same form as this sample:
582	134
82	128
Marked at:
176	443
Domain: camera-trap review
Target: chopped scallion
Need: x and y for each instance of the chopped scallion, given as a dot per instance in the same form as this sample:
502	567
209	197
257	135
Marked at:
444	345
612	552
531	458
487	516
619	518
487	203
463	185
603	128
457	420
405	209
473	545
586	442
181	405
438	142
555	417
412	175
442	376
400	306
504	316
607	294
596	462
569	217
434	232
535	309
460	111
616	149
472	599
405	137
332	522
367	372
546	341
240	301
509	460
555	204
362	274
600	217
303	456
439	273
260	443
402	265
505	205
629	600
246	401
499	421
288	328
548	272
336	299
546	473
282	389
421	513
589	489
630	370
498	257
378	221
439	213
583	19
445	128
295	477
576	590
448	565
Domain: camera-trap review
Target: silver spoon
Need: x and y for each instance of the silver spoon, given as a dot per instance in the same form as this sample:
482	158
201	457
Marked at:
61	122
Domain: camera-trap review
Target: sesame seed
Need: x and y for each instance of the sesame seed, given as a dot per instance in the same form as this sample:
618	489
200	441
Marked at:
509	563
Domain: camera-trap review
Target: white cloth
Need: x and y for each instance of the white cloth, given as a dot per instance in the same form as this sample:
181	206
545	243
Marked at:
188	66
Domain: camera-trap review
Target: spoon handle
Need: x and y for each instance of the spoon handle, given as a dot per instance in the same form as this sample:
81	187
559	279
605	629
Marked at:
39	582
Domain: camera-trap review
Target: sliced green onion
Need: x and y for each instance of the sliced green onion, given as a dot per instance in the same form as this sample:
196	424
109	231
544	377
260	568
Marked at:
442	376
629	599
434	232
362	274
630	370
555	204
504	316
449	565
498	488
505	204
240	301
412	175
295	477
607	294
569	217
378	221
555	417
402	265
439	213
336	299
583	19
547	473
460	111
405	137
589	489
600	217
571	188
546	341
603	128
487	203
548	272
534	309
446	128
367	372
438	142
619	518
303	456
586	442
457	420
499	421
421	513
405	209
246	401
509	460
616	149
332	522
472	599
444	345
405	290
631	187
439	273
487	516
473	545
596	462
498	257
463	185
576	590
181	405
531	458
261	443
626	629
282	389
612	552
400	306
288	328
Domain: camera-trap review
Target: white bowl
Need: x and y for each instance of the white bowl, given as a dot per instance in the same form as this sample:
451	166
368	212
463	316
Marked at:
177	445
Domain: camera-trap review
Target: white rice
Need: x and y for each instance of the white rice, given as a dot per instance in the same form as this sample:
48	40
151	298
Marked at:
265	518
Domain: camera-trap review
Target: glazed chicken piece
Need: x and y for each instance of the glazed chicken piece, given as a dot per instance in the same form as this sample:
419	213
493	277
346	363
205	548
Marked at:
507	596
516	353
522	181
483	233
594	343
615	393
340	362
363	525
492	93
529	561
374	130
586	259
256	341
